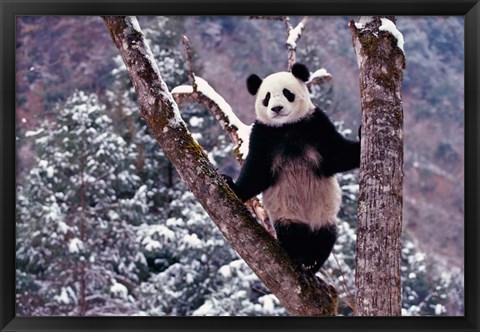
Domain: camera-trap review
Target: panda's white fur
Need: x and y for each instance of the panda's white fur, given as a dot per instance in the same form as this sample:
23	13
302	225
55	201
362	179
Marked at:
291	112
301	196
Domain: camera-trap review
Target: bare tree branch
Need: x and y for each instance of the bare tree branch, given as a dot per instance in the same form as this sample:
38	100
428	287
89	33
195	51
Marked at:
379	49
221	110
294	35
301	294
188	53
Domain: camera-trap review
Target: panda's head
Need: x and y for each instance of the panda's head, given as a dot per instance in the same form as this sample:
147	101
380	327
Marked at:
281	97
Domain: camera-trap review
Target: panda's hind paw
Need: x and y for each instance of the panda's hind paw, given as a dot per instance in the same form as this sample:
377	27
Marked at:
313	267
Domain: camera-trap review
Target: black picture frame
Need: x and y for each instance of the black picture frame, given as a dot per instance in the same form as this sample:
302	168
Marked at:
9	9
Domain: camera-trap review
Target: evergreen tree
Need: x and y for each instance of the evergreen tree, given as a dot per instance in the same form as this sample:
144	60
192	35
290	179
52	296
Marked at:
426	290
187	251
76	251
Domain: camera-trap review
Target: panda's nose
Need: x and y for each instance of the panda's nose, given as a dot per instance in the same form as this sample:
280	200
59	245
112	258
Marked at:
277	109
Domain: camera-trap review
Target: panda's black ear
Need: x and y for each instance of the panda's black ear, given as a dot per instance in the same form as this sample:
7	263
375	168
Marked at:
253	83
301	72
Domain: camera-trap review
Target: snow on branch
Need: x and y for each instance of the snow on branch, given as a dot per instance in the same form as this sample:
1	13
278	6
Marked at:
294	34
238	131
386	24
318	77
390	27
215	103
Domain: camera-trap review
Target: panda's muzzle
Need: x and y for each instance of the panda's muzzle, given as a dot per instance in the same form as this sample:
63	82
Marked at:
277	109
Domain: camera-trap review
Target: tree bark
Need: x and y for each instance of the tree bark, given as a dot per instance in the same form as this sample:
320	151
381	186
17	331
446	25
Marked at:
299	293
378	46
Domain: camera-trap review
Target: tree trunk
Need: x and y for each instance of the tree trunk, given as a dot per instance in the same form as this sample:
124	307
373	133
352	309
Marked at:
299	293
379	49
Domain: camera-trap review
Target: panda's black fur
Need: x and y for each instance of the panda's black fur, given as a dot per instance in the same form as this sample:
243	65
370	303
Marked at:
292	160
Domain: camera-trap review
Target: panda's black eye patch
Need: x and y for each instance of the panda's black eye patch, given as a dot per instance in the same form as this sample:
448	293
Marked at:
266	100
289	95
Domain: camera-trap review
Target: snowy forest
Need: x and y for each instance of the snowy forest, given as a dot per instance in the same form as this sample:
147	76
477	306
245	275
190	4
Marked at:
106	227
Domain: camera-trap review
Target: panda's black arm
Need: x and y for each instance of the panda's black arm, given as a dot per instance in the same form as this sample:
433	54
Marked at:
339	153
254	177
344	155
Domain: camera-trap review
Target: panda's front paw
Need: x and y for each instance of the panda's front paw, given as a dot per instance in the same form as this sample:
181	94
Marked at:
228	180
360	132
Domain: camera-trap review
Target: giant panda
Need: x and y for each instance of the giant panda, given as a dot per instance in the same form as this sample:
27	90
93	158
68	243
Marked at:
294	153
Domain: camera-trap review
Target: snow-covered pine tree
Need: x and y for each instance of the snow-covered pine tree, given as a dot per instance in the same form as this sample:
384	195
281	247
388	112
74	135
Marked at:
427	286
76	251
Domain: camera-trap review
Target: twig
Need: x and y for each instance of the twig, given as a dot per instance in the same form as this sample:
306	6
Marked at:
351	302
188	55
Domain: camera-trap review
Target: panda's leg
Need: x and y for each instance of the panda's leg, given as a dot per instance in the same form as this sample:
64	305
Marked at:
308	248
326	237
